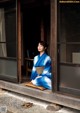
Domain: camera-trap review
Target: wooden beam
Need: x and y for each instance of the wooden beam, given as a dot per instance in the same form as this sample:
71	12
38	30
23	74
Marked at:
53	42
19	39
4	0
42	30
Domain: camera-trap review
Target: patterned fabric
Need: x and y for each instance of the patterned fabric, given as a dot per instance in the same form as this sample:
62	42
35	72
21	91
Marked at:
43	79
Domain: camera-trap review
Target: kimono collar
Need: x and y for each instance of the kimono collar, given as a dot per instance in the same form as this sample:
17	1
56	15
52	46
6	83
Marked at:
40	60
42	55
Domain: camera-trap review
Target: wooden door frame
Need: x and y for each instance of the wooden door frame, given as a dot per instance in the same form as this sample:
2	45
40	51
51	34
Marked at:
19	45
53	43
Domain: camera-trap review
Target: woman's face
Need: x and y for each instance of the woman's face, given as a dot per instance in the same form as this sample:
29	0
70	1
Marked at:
41	48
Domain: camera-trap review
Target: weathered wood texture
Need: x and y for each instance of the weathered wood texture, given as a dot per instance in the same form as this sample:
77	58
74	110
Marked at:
53	42
48	96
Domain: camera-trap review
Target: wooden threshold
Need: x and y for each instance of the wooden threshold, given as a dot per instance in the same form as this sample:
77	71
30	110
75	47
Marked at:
45	95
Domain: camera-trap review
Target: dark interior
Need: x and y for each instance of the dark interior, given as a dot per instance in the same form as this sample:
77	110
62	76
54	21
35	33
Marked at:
32	16
31	30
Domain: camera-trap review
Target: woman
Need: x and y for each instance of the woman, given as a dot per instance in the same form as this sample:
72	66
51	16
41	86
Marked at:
44	60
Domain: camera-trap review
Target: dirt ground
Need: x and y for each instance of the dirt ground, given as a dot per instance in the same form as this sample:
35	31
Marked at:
15	103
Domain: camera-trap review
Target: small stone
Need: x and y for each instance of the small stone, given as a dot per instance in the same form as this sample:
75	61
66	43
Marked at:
53	107
9	112
2	91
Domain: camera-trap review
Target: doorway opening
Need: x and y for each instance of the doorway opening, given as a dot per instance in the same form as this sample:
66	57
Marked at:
35	27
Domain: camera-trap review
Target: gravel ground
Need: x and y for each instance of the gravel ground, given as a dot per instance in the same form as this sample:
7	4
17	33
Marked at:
15	103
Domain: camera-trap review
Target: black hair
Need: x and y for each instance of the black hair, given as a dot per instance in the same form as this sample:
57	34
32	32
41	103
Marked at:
43	43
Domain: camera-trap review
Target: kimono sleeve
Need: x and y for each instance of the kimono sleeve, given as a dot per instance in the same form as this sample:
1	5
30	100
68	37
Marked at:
33	72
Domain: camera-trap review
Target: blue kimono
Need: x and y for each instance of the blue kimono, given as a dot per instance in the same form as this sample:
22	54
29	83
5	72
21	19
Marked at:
43	79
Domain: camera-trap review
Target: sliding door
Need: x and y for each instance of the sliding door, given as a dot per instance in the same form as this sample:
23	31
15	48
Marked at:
69	47
8	42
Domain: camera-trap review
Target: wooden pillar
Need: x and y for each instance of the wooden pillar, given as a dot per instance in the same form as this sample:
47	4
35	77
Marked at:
53	43
19	40
42	30
42	21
